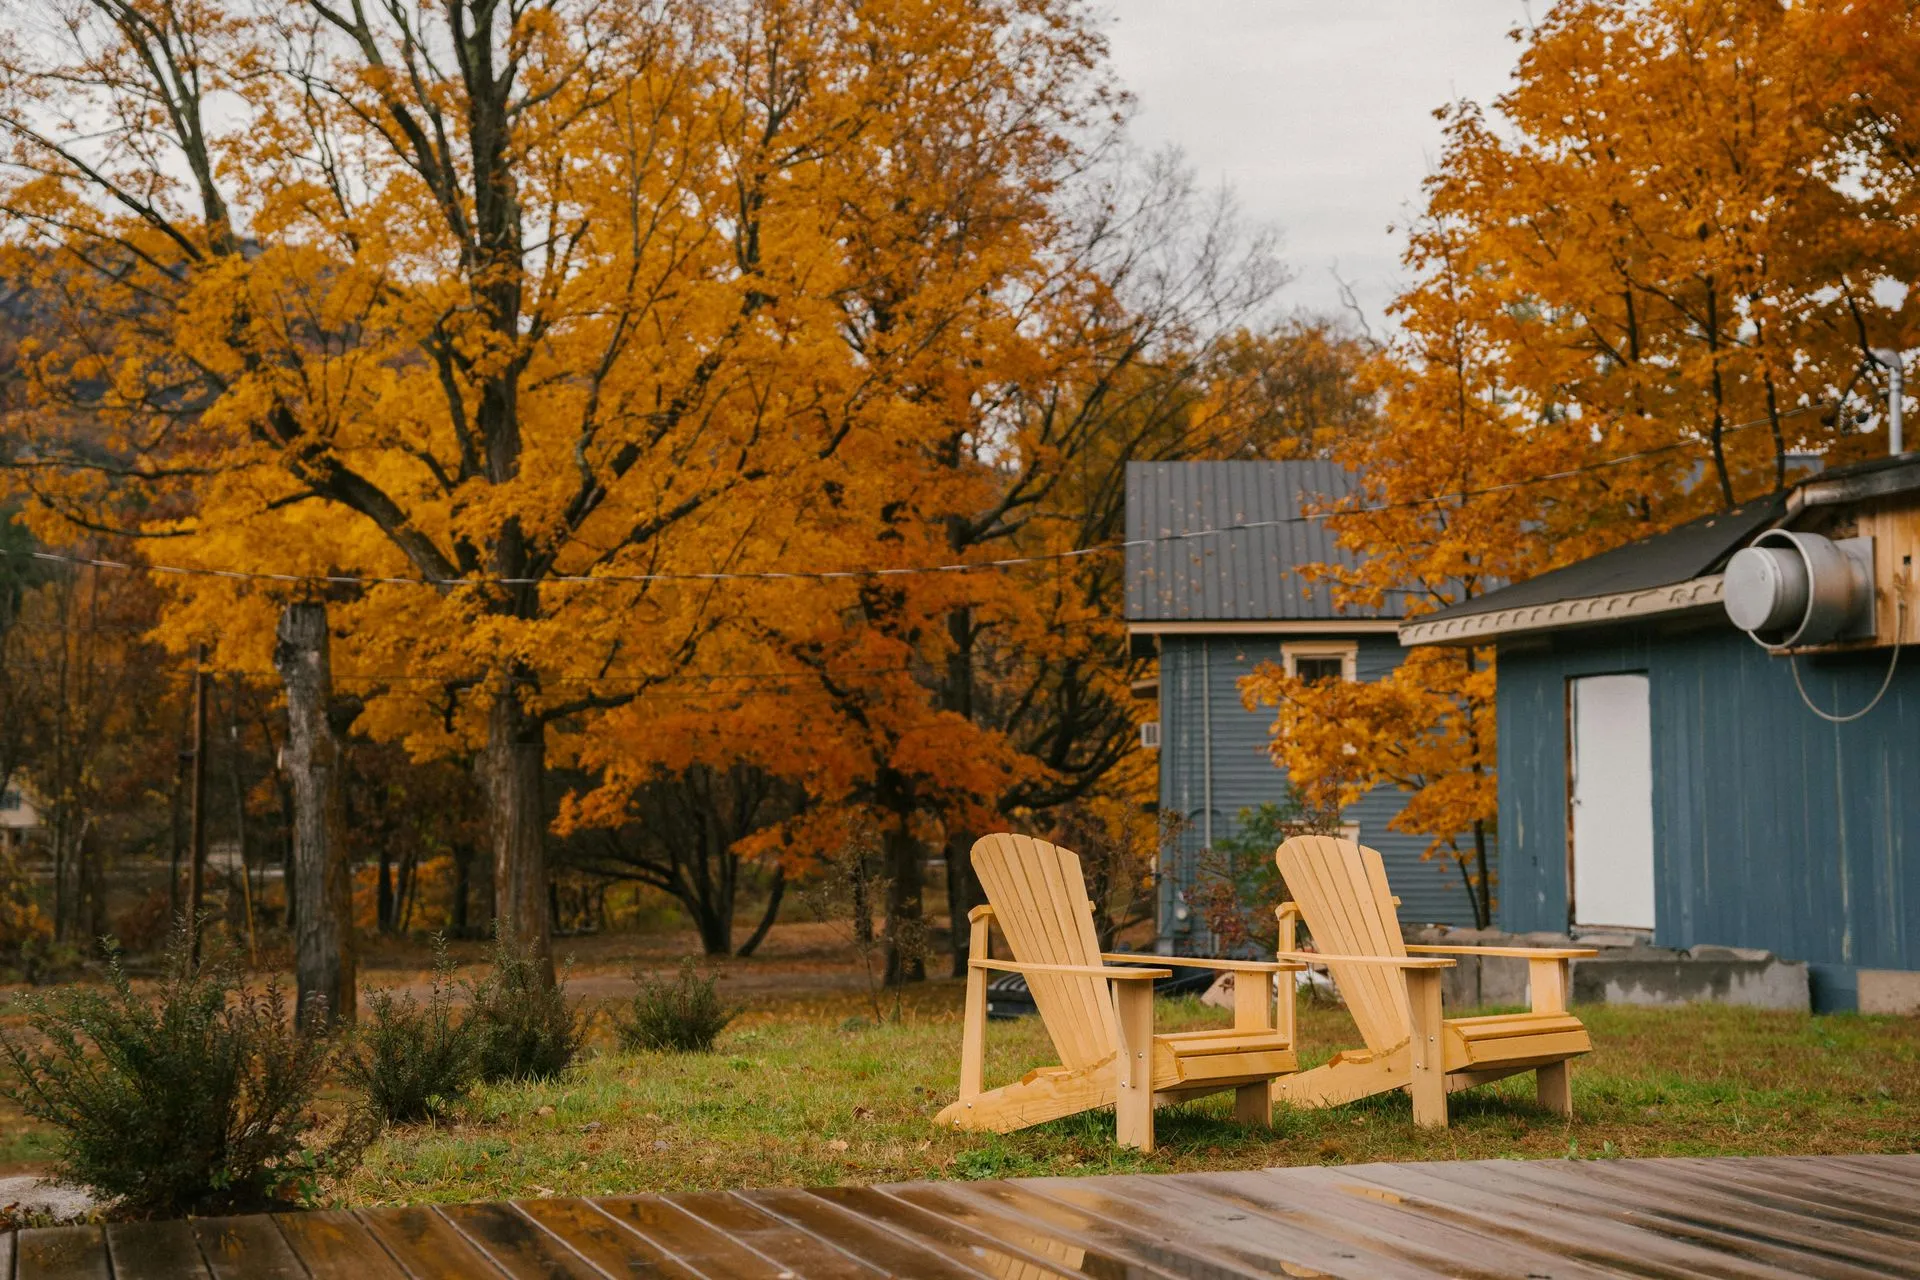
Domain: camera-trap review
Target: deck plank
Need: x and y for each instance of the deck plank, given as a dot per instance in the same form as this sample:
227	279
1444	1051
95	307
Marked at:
794	1249
155	1251
615	1249
870	1242
996	1255
426	1244
677	1232
246	1248
62	1253
1064	1238
1833	1218
335	1242
1841	1249
516	1244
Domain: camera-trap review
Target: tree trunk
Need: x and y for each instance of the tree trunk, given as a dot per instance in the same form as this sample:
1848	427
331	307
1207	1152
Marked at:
516	759
775	892
906	920
323	886
462	874
383	906
964	893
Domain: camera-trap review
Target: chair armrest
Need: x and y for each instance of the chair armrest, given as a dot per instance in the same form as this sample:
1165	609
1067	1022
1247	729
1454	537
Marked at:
1203	962
1396	962
1524	953
1119	973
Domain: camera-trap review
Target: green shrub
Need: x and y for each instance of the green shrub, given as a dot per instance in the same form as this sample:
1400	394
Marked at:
413	1061
682	1016
523	1026
195	1099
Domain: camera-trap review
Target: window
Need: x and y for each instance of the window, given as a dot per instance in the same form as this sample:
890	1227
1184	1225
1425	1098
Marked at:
1314	670
1314	661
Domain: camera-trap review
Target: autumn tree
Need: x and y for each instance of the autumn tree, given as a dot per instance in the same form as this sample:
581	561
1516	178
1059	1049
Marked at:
1643	281
522	310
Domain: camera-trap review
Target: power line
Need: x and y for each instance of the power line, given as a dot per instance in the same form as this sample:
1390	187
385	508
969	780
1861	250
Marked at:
800	575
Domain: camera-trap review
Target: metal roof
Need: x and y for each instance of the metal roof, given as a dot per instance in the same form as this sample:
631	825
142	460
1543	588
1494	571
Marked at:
1249	575
1679	555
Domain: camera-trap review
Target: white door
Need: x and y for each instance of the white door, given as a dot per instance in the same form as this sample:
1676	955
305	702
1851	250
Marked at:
1612	798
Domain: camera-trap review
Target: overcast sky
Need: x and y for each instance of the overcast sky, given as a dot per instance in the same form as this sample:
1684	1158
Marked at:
1318	112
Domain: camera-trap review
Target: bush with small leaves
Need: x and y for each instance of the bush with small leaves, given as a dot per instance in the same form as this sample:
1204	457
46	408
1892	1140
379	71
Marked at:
194	1099
682	1016
523	1026
413	1061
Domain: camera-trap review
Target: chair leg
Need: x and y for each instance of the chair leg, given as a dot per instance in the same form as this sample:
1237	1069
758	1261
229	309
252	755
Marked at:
1553	1086
1428	1081
1133	1066
1253	1103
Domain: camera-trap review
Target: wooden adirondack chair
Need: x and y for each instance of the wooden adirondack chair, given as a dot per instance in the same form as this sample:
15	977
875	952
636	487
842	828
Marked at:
1099	1011
1393	992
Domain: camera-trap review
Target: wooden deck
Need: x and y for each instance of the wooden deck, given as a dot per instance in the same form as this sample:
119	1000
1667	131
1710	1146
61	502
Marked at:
1786	1218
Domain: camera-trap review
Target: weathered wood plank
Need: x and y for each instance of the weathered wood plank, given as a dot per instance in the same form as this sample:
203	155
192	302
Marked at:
62	1253
6	1255
602	1241
335	1243
516	1244
426	1244
246	1248
1687	1197
678	1233
155	1251
996	1254
794	1249
1054	1231
869	1242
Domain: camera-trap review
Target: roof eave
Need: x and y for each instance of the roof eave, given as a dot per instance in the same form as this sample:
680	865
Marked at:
1693	595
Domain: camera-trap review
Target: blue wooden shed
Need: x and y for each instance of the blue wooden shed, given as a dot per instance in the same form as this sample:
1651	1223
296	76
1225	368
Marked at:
1213	606
1663	771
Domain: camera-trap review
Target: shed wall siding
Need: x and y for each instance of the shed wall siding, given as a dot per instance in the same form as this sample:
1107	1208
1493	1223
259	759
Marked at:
1199	691
1772	828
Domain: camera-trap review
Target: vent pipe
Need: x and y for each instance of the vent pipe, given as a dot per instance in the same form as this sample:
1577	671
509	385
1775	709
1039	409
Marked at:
1896	396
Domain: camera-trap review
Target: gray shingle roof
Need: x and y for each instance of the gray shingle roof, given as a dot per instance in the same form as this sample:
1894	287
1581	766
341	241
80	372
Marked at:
1698	547
1249	575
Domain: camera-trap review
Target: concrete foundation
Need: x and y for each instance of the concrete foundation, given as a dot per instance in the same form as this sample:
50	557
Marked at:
1889	991
1628	971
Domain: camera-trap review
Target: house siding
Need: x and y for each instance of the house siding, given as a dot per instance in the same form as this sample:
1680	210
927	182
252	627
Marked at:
1772	828
1201	712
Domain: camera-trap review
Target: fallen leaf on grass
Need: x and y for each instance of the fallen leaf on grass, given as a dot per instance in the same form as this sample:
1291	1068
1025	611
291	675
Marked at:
863	1113
838	1144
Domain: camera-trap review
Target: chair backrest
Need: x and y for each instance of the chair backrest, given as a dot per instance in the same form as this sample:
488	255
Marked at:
1341	888
1040	900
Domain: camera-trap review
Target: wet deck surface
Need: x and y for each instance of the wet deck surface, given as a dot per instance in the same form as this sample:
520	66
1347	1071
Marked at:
1830	1216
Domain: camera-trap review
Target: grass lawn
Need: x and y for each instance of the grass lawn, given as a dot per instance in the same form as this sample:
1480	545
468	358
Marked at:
808	1092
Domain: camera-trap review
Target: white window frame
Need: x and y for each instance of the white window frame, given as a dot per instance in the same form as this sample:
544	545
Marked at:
1348	651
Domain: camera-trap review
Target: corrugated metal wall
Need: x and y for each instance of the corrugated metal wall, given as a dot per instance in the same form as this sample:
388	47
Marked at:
1199	690
1772	827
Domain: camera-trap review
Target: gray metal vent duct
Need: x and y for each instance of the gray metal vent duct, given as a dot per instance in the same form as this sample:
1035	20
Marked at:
1790	589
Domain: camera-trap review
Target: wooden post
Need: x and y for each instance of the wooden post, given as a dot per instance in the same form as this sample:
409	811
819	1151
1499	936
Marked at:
1133	1066
1253	1013
197	811
973	1042
323	897
1553	1083
1429	1078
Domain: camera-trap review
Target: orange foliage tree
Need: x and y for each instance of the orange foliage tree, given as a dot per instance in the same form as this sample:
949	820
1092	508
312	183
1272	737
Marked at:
532	309
1654	272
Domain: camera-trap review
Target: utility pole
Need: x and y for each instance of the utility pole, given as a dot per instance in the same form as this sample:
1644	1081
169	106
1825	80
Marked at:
197	819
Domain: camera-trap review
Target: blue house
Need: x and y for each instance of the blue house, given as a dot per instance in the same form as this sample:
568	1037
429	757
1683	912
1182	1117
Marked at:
1215	606
1664	771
